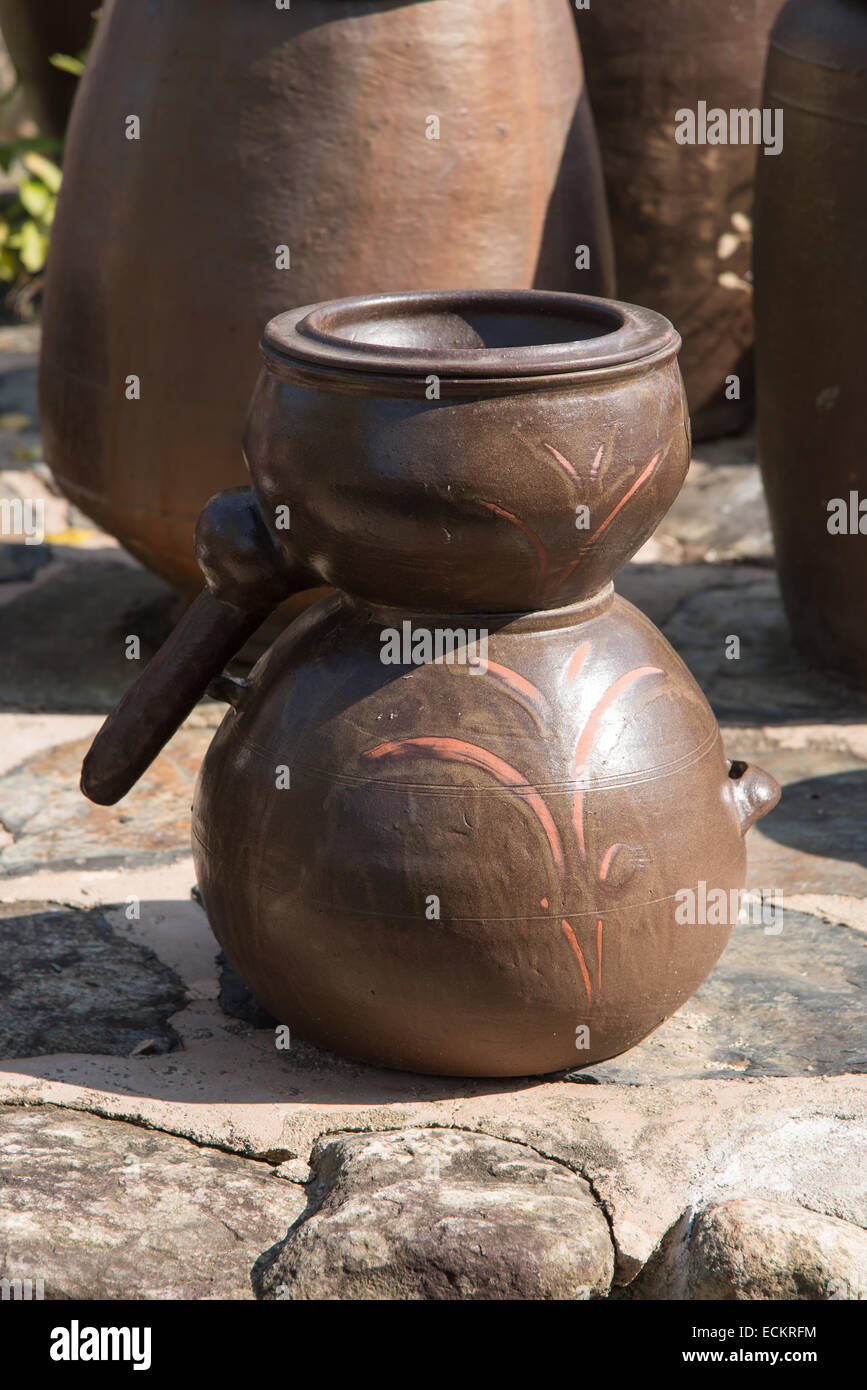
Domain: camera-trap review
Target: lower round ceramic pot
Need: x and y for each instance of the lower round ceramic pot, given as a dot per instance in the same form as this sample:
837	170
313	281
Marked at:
472	869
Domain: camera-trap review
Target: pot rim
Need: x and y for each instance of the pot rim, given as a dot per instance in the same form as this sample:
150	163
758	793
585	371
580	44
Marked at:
345	335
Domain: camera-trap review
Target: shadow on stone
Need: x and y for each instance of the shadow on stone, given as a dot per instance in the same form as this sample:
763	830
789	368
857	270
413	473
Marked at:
19	563
786	1002
63	641
237	1001
700	607
824	816
69	983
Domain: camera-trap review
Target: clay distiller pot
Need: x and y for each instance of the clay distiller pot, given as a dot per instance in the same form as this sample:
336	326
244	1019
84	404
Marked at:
432	865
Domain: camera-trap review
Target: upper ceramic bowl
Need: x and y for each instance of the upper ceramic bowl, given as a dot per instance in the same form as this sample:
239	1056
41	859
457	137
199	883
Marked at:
468	451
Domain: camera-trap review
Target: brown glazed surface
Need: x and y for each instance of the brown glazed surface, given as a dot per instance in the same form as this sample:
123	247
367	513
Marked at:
811	311
671	203
33	30
302	127
405	500
552	803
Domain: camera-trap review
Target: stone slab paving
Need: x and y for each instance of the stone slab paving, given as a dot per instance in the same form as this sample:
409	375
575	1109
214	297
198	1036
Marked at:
48	821
721	515
100	1209
751	1249
786	1005
156	1141
63	636
440	1214
70	983
699	607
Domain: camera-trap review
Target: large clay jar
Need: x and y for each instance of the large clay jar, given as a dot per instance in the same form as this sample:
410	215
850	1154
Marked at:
34	31
382	145
410	858
680	214
811	311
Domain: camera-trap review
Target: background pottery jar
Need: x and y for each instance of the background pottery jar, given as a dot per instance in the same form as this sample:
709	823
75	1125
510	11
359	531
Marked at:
286	156
435	830
811	311
681	214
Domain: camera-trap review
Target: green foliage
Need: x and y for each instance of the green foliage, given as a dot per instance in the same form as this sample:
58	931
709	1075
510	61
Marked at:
27	214
67	63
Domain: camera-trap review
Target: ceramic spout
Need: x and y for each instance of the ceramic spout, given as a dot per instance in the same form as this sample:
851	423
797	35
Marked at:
753	792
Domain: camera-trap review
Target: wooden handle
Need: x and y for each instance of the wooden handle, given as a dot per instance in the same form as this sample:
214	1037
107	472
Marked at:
171	685
248	575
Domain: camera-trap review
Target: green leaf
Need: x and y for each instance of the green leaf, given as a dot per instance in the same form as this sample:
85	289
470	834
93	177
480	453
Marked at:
33	251
35	198
8	266
66	63
43	168
17	149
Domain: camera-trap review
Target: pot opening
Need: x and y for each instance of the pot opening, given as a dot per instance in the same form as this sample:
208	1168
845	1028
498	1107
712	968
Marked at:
471	326
474	334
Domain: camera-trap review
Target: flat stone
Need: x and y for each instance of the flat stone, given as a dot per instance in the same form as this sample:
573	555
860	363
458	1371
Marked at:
648	1152
19	379
720	513
652	1151
63	640
36	515
778	1004
659	589
19	389
730	449
19	563
99	1209
20	448
17	340
751	1249
437	1215
71	984
814	840
53	825
24	735
769	683
787	1004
